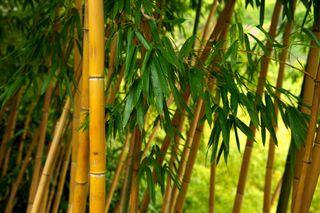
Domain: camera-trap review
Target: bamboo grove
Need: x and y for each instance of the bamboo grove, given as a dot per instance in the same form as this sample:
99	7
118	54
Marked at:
106	105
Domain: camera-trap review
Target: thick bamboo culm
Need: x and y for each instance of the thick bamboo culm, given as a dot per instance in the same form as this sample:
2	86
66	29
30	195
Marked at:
312	176
308	144
77	65
15	185
271	151
97	148
260	87
45	177
117	173
306	96
40	147
82	171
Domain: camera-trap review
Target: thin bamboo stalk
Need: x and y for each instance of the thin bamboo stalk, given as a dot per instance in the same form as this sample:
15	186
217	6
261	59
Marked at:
212	184
78	203
25	131
9	132
196	130
17	182
134	195
40	147
125	195
45	177
5	107
312	176
308	144
260	87
117	173
276	191
77	69
97	148
185	154
51	190
269	168
62	178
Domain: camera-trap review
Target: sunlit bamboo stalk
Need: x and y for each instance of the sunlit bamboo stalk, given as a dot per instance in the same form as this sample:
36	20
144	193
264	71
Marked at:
62	178
260	87
269	168
96	106
77	65
45	177
40	147
308	144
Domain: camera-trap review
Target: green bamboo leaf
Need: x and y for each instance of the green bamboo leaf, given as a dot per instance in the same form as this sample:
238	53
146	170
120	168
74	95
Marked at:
143	41
128	109
140	114
263	127
225	129
248	49
157	88
196	83
262	8
234	103
232	118
244	128
207	104
187	46
129	55
260	43
151	186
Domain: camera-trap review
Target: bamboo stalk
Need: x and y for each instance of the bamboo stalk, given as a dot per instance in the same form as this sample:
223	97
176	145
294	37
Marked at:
276	191
308	144
212	184
196	130
97	150
17	182
55	171
40	147
9	132
62	178
117	173
45	177
77	69
82	170
260	87
269	168
185	154
306	96
25	131
312	176
134	195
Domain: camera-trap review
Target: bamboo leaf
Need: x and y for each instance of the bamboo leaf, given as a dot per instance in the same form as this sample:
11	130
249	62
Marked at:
157	88
244	128
187	46
207	105
143	41
196	83
151	186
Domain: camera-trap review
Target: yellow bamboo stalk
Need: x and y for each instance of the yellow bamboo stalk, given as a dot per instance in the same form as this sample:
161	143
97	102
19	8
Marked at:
312	176
81	177
40	147
62	178
269	168
307	94
196	130
117	173
55	171
96	105
212	184
260	87
186	152
45	177
308	144
17	182
77	69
